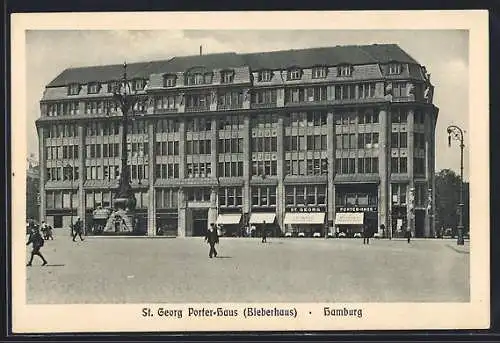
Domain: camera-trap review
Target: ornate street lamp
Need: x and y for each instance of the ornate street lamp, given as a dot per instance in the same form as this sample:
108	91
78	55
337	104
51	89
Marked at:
457	134
125	199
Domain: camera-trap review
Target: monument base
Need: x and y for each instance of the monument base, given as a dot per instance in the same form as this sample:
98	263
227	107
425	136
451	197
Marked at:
120	222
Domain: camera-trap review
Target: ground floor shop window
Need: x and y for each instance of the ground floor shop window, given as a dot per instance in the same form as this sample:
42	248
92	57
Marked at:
166	224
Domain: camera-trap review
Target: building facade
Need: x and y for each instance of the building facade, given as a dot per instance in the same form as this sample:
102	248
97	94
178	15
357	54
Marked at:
294	140
32	192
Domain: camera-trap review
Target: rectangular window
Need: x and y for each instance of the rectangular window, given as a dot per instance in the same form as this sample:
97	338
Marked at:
319	73
394	68
265	76
403	140
227	76
294	74
352	166
73	89
344	70
403	168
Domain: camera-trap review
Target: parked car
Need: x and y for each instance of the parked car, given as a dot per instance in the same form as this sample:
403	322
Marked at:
288	234
302	234
377	235
342	235
357	235
317	235
331	235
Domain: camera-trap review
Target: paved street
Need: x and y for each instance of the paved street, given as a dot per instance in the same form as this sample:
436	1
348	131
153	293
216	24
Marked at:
131	270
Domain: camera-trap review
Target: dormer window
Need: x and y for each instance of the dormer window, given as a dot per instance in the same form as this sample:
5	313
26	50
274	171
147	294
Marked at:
113	86
227	76
73	89
294	74
169	80
138	84
344	70
208	78
319	72
195	79
394	69
265	76
198	79
93	88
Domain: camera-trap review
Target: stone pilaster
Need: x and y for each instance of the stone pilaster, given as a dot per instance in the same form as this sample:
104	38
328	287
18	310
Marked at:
280	97
182	149
212	211
280	188
411	154
427	136
247	157
182	215
82	171
81	108
42	171
330	123
213	148
384	170
151	177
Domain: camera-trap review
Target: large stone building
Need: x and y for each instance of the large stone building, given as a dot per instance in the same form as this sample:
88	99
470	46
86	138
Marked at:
296	139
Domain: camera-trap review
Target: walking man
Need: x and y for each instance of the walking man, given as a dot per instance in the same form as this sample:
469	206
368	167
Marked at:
212	238
78	229
37	241
366	235
264	232
408	234
50	232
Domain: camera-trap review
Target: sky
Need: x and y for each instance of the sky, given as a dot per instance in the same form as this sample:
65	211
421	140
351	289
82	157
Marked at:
443	52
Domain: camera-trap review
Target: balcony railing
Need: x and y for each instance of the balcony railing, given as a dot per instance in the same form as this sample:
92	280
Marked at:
165	110
203	108
305	102
263	105
224	107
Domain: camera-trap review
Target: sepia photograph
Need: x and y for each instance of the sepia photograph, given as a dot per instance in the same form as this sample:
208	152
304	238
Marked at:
302	175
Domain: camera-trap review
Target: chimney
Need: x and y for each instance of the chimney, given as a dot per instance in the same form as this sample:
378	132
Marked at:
201	50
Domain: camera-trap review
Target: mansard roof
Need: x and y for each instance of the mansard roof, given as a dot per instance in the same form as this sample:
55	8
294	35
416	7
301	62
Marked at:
353	54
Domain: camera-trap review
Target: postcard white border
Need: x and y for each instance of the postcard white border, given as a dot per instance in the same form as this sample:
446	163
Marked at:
387	316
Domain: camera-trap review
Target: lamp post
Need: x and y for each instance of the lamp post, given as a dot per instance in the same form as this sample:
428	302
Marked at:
457	134
125	198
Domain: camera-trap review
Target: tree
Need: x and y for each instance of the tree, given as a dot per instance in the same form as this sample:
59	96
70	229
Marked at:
447	199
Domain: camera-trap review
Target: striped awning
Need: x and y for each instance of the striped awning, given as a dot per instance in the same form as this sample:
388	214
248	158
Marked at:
228	218
349	218
305	218
263	217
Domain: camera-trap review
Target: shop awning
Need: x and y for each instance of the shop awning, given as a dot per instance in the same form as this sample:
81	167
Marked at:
305	218
349	218
260	218
229	218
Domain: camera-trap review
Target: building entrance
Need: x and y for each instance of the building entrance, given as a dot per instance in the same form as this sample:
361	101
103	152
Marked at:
58	221
200	222
419	223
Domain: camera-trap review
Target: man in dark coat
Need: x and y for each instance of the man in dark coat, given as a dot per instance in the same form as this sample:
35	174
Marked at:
366	234
212	238
37	240
408	234
264	232
78	229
